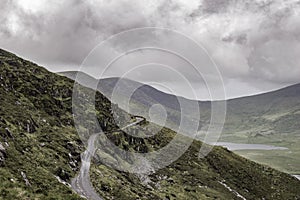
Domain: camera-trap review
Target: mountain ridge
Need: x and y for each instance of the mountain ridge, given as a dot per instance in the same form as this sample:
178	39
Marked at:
271	118
72	75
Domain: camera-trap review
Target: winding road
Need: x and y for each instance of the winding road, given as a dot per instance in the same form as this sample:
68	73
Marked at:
81	183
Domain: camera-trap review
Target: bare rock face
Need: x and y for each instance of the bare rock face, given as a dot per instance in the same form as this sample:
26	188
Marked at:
2	154
8	133
2	149
25	179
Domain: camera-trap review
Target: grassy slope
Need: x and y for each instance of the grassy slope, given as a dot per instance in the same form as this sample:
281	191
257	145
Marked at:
42	142
193	178
38	141
271	118
37	131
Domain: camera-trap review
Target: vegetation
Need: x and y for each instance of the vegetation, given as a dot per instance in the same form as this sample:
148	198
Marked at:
36	132
190	177
40	149
271	118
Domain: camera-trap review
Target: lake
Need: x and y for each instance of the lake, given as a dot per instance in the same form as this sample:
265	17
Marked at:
240	146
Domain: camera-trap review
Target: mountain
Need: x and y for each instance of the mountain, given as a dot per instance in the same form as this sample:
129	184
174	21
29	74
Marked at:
275	112
41	150
272	108
143	97
271	118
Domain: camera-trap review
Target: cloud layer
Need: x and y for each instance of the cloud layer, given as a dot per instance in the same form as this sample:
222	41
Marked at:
256	43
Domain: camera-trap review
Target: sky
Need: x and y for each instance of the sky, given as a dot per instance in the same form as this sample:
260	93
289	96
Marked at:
255	44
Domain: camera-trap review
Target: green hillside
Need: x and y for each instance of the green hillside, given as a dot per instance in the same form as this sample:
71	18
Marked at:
271	118
40	150
275	112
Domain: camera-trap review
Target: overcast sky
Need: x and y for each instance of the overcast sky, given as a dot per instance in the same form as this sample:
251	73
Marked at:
255	43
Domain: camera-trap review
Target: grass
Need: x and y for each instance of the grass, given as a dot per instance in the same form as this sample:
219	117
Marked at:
41	143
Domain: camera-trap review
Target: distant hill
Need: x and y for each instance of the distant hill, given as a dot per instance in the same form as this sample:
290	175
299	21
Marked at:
143	97
269	118
270	113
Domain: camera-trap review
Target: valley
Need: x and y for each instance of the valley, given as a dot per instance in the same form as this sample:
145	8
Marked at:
270	119
42	150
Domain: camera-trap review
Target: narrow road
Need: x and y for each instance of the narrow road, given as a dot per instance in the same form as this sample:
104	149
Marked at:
233	191
138	120
81	183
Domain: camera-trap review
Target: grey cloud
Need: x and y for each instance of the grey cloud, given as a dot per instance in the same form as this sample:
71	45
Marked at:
250	40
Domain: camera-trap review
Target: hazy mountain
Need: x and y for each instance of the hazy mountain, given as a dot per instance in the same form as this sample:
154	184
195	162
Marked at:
40	149
269	113
270	118
143	97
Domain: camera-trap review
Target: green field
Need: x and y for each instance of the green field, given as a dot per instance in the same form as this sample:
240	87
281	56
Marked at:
284	160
